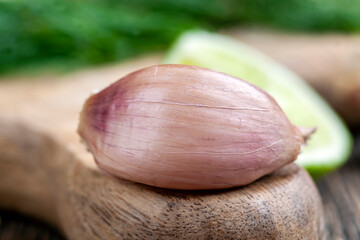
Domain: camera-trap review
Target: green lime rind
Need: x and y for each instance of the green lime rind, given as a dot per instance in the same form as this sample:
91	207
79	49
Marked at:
328	148
318	171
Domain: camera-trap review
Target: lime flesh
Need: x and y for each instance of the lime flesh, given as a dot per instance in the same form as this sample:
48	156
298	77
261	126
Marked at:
328	148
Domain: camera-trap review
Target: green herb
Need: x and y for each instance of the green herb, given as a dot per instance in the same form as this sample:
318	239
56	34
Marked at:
79	33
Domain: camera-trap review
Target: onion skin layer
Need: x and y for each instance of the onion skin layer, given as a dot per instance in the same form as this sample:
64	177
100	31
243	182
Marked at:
185	127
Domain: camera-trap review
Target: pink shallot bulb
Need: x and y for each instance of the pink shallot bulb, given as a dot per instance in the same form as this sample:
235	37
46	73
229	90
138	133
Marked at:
185	127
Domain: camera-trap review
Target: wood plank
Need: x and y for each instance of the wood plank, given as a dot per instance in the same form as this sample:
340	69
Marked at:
340	192
45	171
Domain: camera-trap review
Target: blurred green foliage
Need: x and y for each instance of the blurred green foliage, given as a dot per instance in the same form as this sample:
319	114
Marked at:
86	32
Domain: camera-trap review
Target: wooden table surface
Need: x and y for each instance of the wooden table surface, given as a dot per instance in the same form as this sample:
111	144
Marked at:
340	192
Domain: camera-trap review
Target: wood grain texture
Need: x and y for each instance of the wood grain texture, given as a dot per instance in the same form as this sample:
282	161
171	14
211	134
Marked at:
46	172
340	192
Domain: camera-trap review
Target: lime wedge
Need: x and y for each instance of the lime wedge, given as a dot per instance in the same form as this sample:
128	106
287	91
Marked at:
328	148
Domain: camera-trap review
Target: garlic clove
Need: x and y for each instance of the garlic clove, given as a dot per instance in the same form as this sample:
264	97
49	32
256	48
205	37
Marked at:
185	127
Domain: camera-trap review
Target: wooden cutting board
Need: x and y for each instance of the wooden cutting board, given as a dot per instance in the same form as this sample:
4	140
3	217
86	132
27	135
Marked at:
45	171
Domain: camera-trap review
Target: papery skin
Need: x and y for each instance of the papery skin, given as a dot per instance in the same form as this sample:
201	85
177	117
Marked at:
185	127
